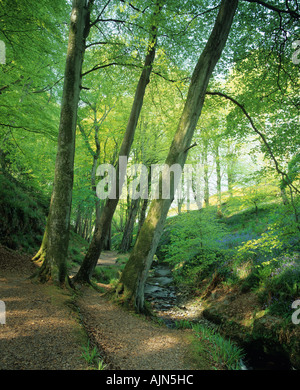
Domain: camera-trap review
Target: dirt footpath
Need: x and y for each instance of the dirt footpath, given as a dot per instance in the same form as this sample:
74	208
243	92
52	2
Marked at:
131	342
41	331
44	331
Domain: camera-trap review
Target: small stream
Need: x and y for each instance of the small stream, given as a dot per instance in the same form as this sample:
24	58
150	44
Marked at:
166	302
161	293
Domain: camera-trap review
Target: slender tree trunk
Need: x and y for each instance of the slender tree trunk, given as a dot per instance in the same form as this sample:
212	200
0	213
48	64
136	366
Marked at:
133	278
196	187
179	205
91	258
206	183
196	192
218	172
121	217
128	231
53	251
142	215
144	203
230	178
107	242
188	204
78	218
284	197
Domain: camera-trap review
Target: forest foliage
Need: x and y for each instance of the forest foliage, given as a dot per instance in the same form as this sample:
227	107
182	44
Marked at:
240	212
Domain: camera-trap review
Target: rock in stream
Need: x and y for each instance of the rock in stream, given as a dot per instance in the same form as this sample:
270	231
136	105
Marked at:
159	289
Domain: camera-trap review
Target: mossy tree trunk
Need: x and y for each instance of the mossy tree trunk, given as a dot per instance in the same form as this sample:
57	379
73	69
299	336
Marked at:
90	260
133	278
54	248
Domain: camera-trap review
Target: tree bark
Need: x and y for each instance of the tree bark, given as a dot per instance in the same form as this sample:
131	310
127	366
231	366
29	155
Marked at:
107	242
128	231
134	276
53	251
230	177
142	215
218	172
91	258
206	183
196	187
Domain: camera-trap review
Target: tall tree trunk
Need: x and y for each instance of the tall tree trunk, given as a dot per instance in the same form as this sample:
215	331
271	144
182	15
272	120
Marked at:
77	221
206	182
284	197
142	216
179	205
218	172
133	278
91	258
196	192
128	231
230	178
53	251
107	241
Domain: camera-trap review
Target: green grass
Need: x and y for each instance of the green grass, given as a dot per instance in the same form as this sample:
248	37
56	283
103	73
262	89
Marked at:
110	274
223	352
93	357
250	248
106	274
183	324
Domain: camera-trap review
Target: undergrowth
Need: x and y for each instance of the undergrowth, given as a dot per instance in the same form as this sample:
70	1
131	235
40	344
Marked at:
253	249
23	216
223	353
93	358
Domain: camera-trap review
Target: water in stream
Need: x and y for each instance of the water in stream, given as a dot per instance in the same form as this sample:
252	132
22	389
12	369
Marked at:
161	293
165	300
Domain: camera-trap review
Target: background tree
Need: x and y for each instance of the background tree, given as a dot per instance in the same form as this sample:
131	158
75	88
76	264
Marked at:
135	273
88	265
53	252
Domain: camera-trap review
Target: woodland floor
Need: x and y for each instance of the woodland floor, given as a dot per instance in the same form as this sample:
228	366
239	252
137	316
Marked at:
46	330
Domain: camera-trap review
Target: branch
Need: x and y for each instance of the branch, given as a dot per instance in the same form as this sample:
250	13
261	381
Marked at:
48	88
103	43
290	12
190	147
97	20
97	67
86	139
284	176
195	17
52	136
120	21
13	83
135	8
